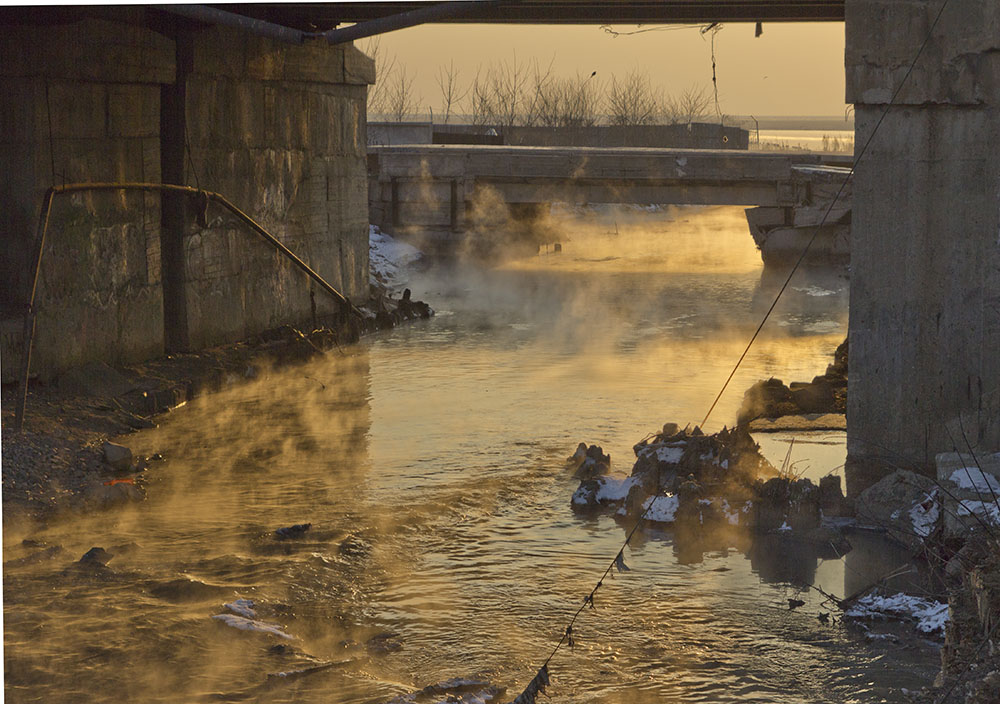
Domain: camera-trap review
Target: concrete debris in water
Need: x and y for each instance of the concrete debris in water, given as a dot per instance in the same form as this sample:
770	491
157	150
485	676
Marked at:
720	481
826	393
98	556
242	607
589	462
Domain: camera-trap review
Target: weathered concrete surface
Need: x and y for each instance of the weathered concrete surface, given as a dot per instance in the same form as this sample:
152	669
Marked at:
280	130
82	103
925	280
277	129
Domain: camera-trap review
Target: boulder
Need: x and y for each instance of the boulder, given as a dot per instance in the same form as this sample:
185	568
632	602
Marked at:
118	457
905	504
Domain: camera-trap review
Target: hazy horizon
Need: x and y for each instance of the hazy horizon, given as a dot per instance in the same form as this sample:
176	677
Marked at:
792	69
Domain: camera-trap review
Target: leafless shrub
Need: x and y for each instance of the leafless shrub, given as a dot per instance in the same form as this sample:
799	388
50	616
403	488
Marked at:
632	100
691	105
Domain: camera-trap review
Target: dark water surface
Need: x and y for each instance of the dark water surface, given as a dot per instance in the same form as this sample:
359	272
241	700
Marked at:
429	461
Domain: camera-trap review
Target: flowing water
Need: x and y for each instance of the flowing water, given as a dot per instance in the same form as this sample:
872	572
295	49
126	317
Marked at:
430	462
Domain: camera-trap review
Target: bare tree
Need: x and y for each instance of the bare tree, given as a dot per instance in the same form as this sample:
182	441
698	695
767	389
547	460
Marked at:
482	108
690	105
400	100
507	93
451	92
633	100
385	66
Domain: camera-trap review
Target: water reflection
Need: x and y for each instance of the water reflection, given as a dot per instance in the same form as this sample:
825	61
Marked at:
430	463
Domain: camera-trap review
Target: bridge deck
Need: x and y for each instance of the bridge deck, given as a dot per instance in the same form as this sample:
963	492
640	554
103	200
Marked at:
432	184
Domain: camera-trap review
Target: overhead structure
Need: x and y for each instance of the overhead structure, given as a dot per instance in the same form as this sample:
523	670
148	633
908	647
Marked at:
323	16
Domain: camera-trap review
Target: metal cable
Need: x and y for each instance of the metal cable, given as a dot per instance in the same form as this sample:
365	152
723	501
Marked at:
567	636
847	178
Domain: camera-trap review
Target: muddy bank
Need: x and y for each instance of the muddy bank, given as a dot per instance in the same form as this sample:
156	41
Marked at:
62	461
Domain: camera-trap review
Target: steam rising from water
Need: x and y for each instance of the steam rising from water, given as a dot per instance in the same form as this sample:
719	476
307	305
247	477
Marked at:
429	461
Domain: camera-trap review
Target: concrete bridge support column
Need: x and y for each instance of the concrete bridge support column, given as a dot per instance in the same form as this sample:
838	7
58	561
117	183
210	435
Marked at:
925	257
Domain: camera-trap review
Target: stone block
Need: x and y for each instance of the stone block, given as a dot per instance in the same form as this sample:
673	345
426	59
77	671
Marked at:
89	50
359	68
133	110
78	109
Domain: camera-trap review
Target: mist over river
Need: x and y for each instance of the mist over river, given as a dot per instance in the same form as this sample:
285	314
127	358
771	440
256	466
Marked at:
429	461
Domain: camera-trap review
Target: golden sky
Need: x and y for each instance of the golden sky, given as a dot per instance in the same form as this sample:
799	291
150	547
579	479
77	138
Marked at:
792	69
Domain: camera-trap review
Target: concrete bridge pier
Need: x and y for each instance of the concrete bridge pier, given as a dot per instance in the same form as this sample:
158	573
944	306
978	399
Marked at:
925	252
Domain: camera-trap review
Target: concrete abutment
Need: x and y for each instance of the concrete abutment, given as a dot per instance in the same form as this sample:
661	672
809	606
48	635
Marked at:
277	129
925	253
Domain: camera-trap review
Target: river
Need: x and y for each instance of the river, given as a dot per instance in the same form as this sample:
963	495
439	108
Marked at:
429	461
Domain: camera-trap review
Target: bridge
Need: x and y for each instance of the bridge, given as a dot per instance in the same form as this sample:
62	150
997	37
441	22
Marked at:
430	190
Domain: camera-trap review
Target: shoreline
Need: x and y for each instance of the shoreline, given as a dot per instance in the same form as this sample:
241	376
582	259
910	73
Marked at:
56	467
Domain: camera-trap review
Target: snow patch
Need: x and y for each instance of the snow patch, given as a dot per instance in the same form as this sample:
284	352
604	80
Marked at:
975	478
388	258
988	511
661	509
931	616
614	489
924	514
671	453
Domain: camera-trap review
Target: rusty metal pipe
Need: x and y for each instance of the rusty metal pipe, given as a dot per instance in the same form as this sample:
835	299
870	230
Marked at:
29	313
43	226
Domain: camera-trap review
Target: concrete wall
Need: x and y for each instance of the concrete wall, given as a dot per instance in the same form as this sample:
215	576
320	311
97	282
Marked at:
277	129
81	103
383	134
690	136
925	281
280	131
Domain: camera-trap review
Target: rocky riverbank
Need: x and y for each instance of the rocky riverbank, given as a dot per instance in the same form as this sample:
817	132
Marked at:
59	463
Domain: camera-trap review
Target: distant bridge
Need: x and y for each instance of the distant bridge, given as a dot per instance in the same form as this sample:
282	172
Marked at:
430	189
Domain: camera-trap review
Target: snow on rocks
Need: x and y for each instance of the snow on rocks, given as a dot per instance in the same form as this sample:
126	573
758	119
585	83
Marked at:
924	514
929	616
713	484
661	509
904	503
975	479
388	259
973	496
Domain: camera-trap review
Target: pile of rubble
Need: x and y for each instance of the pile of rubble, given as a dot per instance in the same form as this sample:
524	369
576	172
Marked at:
687	478
826	393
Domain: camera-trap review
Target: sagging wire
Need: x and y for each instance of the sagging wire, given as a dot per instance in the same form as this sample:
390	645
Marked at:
541	680
665	28
826	214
